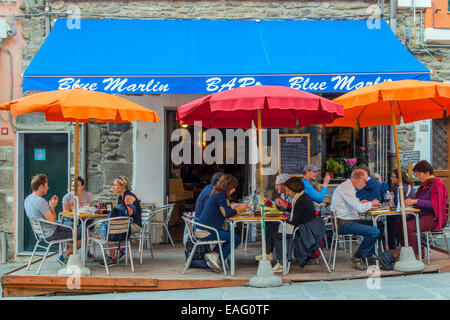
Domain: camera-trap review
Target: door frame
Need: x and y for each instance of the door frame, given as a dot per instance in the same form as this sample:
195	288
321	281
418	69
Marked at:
20	183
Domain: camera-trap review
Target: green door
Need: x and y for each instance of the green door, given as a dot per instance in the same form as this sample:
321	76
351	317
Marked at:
45	153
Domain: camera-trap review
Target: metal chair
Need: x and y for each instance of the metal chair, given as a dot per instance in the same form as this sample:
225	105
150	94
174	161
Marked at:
247	226
320	250
191	224
165	222
36	226
431	235
144	235
340	239
114	226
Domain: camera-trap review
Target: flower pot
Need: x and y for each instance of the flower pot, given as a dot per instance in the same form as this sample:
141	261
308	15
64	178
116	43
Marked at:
331	173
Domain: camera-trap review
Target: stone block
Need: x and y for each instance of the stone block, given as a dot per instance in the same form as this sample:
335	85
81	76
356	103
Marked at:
95	183
94	138
112	170
126	146
7	178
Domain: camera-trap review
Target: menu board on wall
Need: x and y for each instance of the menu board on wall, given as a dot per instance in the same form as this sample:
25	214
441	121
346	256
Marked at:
293	153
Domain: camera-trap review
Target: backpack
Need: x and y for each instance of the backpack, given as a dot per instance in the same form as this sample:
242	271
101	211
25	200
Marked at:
386	259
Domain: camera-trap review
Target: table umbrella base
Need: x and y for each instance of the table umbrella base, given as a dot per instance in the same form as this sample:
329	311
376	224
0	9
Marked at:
74	267
264	277
408	261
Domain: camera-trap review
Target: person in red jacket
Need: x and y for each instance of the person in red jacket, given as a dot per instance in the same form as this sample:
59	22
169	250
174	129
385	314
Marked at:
431	199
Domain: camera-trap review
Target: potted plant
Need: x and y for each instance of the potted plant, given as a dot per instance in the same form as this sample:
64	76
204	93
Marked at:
334	167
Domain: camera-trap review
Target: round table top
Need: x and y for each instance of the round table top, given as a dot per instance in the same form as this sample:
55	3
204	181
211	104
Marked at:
84	215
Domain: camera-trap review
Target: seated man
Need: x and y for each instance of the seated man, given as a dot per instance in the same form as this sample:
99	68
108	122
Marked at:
372	190
36	207
311	176
204	195
347	208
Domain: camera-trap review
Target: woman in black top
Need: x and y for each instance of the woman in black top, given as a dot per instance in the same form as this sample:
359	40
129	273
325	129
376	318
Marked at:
128	202
303	211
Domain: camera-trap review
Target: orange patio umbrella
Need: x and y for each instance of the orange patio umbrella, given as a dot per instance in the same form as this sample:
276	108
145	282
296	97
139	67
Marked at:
78	105
384	104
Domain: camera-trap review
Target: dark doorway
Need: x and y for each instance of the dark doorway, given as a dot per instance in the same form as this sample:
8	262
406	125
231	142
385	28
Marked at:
45	153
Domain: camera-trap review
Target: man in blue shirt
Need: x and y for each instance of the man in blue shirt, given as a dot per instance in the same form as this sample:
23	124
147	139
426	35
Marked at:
372	190
311	175
204	195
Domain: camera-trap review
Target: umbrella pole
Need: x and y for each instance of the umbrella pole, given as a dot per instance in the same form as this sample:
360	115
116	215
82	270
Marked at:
264	277
74	268
400	180
75	214
407	261
261	187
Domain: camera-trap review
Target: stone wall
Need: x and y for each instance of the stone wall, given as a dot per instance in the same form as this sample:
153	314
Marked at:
109	155
7	196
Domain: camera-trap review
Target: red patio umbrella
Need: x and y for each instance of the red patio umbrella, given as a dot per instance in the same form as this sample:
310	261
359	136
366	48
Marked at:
266	106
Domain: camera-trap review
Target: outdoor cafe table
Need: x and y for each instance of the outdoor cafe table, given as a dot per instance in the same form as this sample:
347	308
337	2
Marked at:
84	218
281	218
375	214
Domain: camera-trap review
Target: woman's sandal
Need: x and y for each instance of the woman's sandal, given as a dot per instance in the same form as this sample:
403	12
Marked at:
360	264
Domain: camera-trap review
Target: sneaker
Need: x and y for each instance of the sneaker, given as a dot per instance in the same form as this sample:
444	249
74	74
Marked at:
278	268
62	260
121	255
111	262
269	256
213	262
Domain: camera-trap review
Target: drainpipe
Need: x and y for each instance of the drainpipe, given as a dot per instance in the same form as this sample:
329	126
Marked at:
83	143
4	251
393	25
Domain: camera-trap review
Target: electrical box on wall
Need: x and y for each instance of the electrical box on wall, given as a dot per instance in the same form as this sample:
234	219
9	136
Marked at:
4	28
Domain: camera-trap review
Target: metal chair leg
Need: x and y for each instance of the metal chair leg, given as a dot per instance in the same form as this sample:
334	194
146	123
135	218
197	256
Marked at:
189	260
128	249
43	260
32	256
168	233
324	260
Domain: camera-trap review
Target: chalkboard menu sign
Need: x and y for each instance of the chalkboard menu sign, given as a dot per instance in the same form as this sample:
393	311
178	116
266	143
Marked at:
293	153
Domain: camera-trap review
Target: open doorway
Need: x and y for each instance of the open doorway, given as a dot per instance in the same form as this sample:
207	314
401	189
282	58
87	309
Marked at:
187	179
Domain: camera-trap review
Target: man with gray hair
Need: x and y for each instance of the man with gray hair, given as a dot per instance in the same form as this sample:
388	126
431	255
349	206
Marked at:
284	204
347	207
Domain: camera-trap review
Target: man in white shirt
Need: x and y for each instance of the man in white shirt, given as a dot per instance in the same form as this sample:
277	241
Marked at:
347	208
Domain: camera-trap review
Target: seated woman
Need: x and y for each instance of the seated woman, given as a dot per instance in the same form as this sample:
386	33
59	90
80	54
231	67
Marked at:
408	192
303	211
130	201
216	210
431	199
85	198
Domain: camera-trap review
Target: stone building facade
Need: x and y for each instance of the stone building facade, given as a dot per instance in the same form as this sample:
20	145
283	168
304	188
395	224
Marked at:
109	149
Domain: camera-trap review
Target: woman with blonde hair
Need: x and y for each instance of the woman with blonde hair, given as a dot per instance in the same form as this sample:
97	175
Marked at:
216	210
128	203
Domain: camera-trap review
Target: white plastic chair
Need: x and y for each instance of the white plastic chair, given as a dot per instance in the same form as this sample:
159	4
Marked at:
165	222
191	224
114	226
36	226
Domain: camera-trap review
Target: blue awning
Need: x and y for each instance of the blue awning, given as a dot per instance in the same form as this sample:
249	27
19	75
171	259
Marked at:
206	56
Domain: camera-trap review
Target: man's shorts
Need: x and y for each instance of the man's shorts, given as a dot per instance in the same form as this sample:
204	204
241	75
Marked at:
62	233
